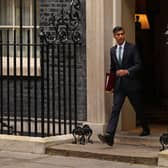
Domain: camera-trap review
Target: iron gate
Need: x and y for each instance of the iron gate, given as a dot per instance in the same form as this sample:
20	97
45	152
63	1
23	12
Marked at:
38	77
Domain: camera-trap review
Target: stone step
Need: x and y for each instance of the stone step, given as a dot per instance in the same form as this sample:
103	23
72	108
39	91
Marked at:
133	139
128	147
118	152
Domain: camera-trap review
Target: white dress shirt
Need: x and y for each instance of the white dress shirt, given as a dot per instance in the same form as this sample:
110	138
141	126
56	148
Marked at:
122	50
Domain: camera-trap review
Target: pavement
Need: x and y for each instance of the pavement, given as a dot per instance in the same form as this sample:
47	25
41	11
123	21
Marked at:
29	160
129	151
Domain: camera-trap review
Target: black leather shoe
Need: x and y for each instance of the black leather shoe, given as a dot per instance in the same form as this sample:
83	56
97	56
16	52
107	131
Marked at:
107	138
145	133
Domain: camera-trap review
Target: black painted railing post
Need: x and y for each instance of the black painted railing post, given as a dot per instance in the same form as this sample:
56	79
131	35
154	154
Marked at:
15	88
59	90
70	85
48	90
64	88
75	86
42	81
35	64
1	80
21	68
28	83
8	91
53	89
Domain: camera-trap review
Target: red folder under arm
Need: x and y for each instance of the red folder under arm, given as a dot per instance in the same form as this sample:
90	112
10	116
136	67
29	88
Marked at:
109	82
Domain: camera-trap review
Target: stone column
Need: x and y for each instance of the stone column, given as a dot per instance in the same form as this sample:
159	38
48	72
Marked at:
99	23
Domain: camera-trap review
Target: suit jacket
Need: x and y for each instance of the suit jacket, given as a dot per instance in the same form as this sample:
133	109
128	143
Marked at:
132	62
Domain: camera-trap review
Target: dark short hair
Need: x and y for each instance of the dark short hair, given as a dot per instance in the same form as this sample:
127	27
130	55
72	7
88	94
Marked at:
117	29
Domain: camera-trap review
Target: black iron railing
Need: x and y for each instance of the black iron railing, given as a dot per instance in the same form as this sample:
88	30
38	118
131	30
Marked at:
38	78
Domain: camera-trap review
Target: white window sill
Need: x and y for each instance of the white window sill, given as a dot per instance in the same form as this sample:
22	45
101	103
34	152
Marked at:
24	65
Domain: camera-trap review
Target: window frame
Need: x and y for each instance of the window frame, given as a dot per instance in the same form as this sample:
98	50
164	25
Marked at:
15	26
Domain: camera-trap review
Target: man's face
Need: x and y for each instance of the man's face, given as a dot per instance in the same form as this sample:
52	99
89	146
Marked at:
119	37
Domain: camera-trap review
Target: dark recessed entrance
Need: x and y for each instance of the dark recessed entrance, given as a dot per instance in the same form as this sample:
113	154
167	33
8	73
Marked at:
153	46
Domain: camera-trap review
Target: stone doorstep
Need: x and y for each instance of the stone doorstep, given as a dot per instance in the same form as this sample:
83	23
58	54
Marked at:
163	159
149	141
120	158
127	148
31	144
122	153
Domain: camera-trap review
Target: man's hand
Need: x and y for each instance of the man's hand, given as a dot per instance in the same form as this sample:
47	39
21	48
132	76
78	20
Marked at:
122	72
111	91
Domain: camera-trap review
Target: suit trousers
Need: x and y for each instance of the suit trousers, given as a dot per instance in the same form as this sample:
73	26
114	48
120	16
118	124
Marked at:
118	100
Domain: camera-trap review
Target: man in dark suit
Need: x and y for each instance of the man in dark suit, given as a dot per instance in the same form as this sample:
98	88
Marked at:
126	65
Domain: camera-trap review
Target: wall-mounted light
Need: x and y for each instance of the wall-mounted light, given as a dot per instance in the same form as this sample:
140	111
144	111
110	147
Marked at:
143	20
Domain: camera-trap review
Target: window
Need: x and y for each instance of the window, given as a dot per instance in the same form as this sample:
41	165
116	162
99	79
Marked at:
10	21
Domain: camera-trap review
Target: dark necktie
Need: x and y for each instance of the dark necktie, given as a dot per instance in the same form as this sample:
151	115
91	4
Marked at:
119	56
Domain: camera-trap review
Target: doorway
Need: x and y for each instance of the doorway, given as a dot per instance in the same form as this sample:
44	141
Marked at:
153	46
